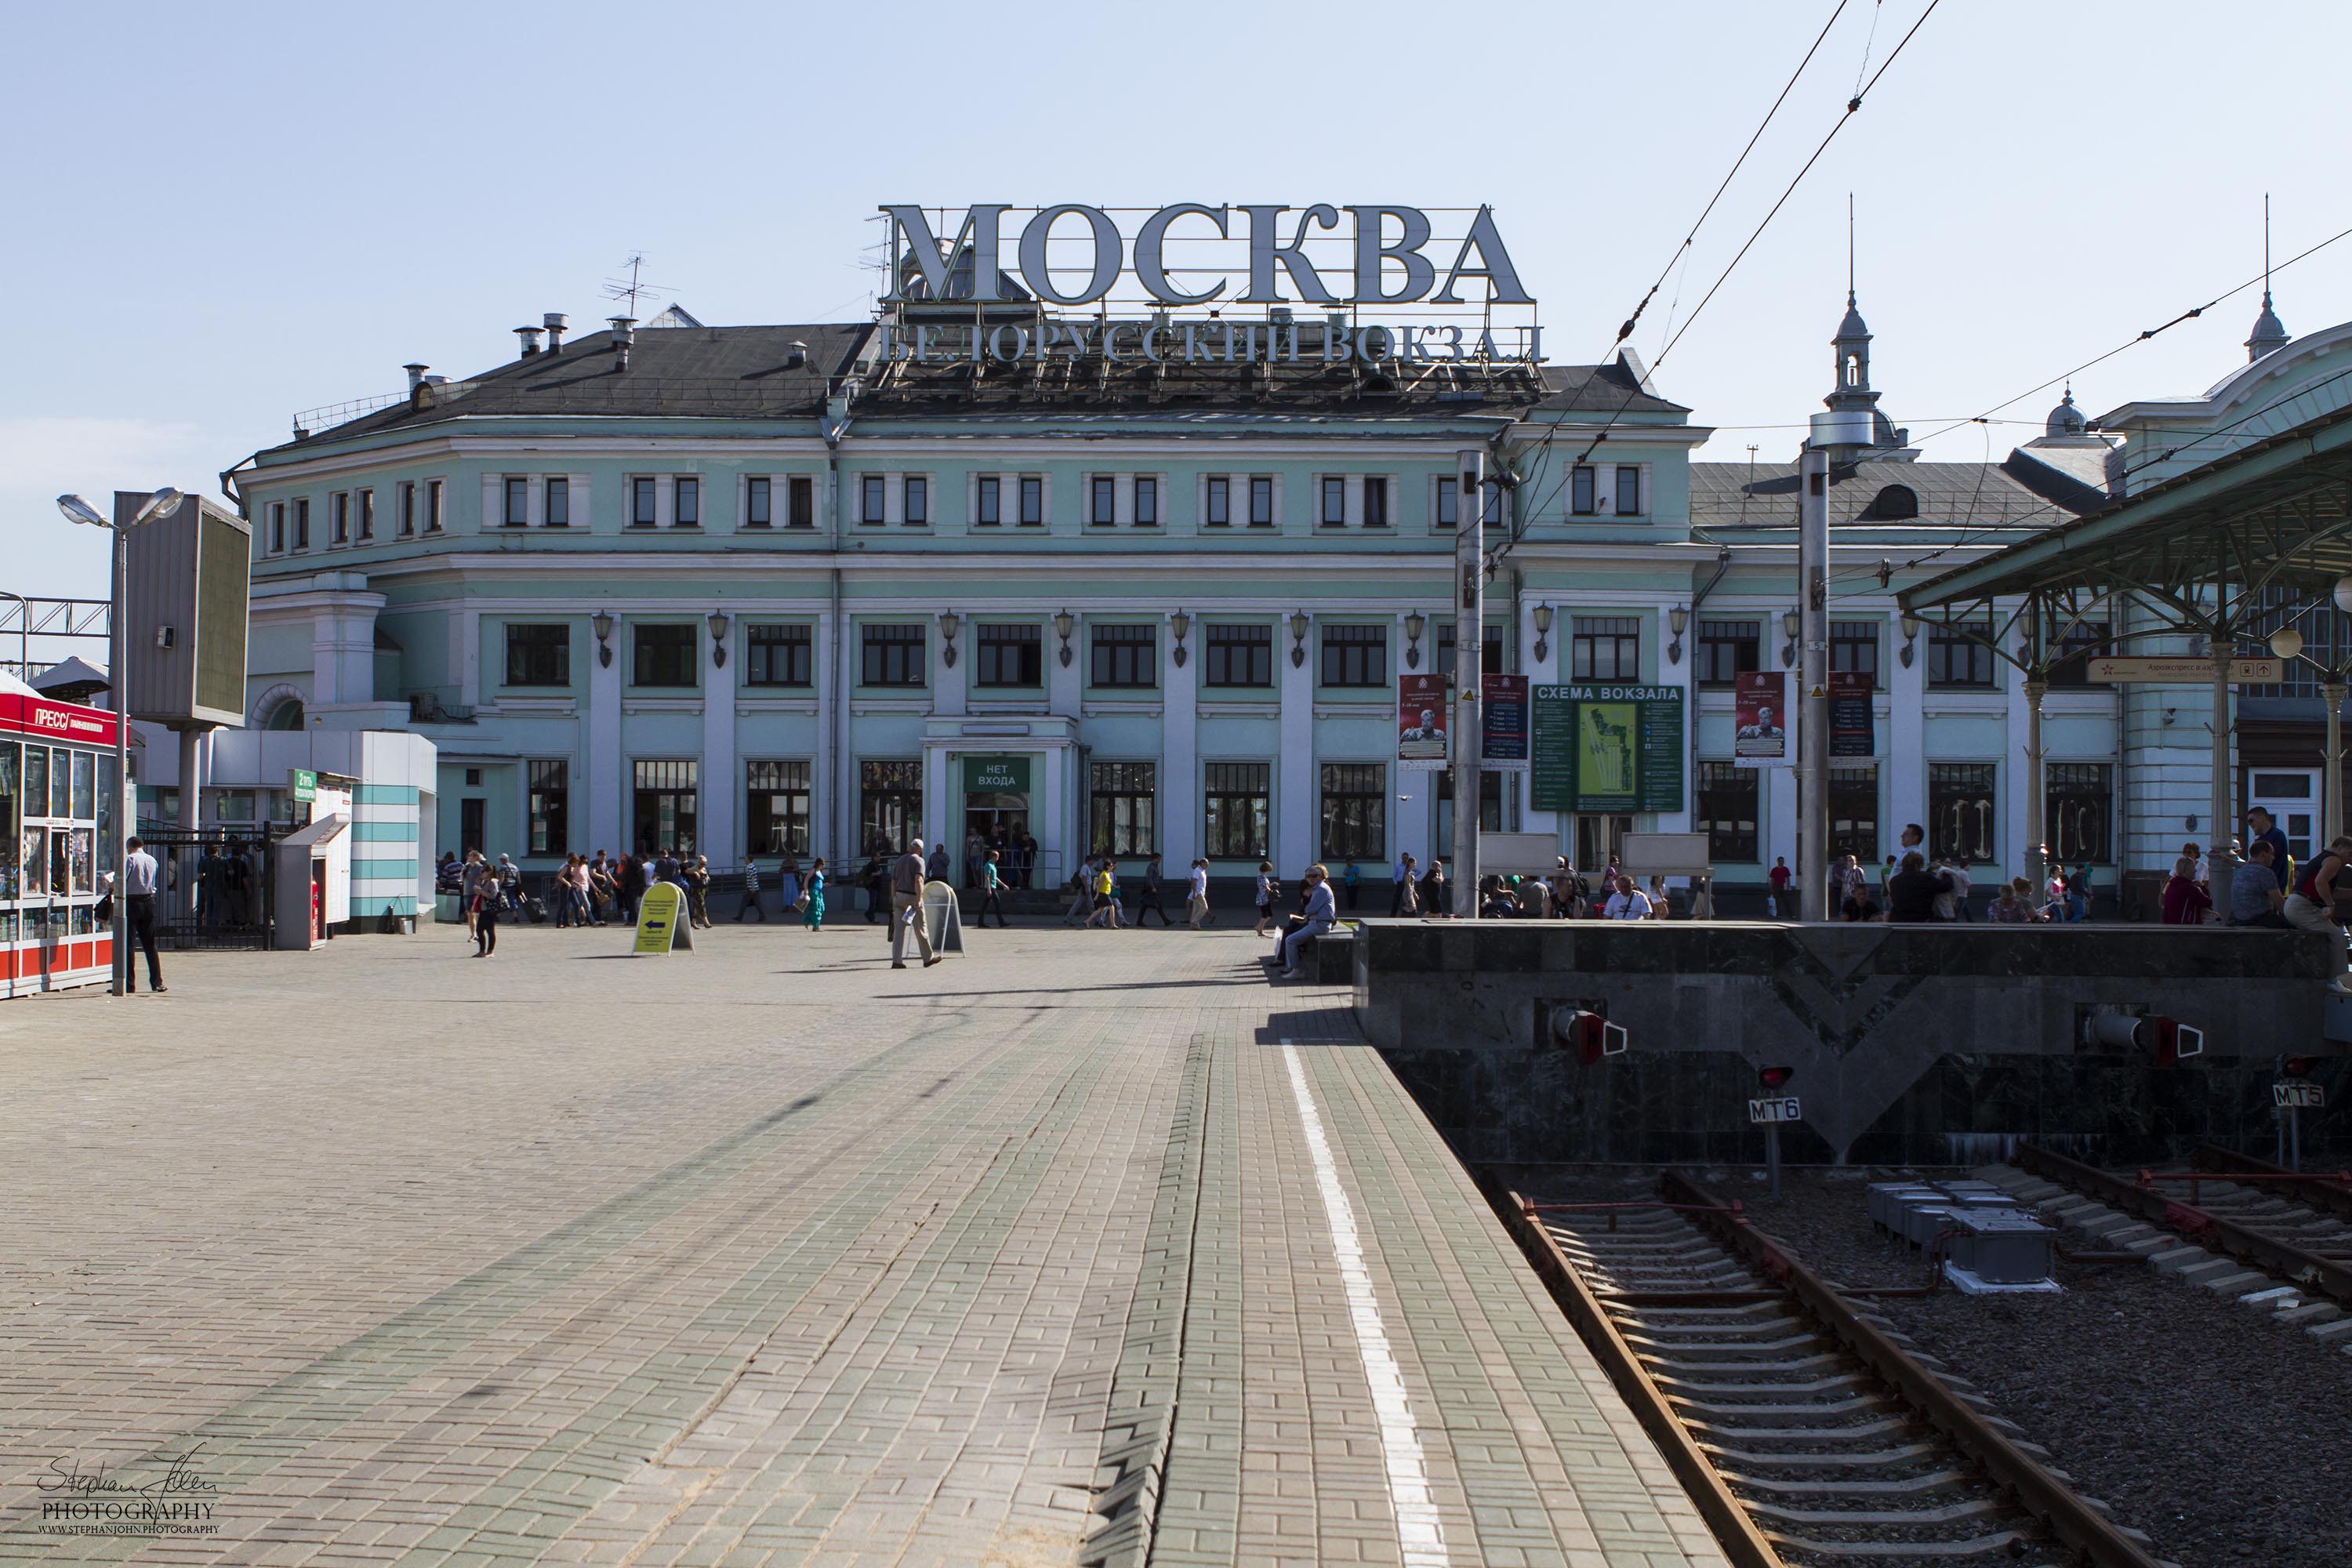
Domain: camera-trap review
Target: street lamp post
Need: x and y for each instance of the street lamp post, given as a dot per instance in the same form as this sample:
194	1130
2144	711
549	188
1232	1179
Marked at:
162	503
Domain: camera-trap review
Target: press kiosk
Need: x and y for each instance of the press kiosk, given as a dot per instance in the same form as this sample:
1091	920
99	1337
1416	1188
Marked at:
57	799
313	865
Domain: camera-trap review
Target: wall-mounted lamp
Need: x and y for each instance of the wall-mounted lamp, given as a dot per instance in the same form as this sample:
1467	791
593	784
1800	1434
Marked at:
950	624
602	624
1299	625
1414	624
1182	624
1678	621
718	637
1910	637
1064	625
1790	622
1543	630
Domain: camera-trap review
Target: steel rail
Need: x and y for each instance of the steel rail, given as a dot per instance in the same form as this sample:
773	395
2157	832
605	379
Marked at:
1743	1543
2331	1194
2075	1522
2284	1260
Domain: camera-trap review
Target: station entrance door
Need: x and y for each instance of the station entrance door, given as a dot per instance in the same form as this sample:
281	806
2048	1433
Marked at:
995	816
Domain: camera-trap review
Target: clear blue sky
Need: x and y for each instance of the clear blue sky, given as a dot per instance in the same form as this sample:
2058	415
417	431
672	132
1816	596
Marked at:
227	214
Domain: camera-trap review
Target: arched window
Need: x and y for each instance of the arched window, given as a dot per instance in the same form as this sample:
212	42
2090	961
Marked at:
1893	501
1853	370
287	715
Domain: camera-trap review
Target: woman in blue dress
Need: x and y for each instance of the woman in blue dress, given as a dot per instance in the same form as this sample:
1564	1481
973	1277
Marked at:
813	915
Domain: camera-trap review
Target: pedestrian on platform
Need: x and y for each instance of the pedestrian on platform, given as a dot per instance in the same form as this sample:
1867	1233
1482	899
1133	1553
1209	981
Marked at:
1322	913
1434	889
1703	897
2015	905
2312	905
469	886
1776	900
1105	888
2263	828
812	895
751	904
138	886
1911	891
1404	878
1147	900
486	916
992	882
697	890
1627	903
787	882
1268	890
1348	879
1196	896
2255	896
907	878
2184	901
936	869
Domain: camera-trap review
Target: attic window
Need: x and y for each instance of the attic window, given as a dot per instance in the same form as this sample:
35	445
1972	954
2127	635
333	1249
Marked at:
1893	501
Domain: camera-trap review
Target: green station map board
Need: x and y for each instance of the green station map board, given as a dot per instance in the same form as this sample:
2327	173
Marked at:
1607	748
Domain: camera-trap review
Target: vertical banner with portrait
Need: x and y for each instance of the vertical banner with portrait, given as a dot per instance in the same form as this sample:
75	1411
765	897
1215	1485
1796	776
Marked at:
1759	703
1503	723
1420	723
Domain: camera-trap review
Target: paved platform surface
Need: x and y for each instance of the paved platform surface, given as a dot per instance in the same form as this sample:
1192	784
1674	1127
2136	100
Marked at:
1084	1248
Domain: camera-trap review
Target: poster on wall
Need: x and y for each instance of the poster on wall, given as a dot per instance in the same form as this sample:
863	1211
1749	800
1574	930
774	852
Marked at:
1760	707
1420	723
1503	729
1607	748
1852	732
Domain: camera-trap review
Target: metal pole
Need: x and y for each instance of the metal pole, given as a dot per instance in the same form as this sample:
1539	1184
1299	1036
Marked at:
2037	846
1469	644
1812	695
125	806
1772	1156
2331	788
2217	855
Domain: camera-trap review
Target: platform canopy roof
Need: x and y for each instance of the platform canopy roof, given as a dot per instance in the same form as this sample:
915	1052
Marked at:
2203	550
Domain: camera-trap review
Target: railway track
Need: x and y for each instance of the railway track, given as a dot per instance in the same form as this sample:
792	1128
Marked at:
1804	1425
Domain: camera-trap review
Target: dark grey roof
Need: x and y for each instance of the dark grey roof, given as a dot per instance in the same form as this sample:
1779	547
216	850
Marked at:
678	372
1602	389
1975	496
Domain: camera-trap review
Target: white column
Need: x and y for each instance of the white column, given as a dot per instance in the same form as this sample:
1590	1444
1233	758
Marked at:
1907	767
601	758
951	683
1294	807
1066	684
1179	802
1776	810
469	657
1051	823
722	787
1676	674
1413	816
936	763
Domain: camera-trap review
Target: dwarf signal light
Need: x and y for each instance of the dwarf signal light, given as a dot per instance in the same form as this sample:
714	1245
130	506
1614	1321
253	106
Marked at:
1775	1077
2298	1066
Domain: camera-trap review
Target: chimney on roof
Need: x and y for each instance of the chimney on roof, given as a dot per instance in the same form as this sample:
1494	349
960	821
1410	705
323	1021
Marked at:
795	354
621	339
416	374
556	322
530	336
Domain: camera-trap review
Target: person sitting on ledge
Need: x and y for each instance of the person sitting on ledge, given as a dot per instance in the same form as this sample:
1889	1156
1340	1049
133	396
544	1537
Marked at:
2312	905
1911	891
2185	902
2255	898
2015	905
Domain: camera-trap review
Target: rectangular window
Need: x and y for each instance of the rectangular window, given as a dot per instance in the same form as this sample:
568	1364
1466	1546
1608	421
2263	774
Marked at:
1241	655
404	508
1961	809
1449	503
1490	809
1376	501
1955	660
779	656
1010	655
539	654
1629	490
517	504
1334	502
1236	808
1490	513
551	808
1853	646
1033	502
2078	804
1490	650
1147	502
802	491
1854	811
2071	646
665	655
871	491
1355	656
339	518
664	802
1355	811
919	501
1261	503
302	522
559	502
1605	648
1581	499
433	506
367	514
775	808
1726	649
986	509
1120	808
1124	656
276	525
688	497
889	805
1102	502
1219	502
1727	812
643	503
893	655
758	509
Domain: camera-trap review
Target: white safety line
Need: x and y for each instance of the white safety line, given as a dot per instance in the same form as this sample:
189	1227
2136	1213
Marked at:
1419	1532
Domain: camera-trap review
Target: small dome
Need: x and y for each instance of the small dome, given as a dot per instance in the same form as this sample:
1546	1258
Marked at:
2269	331
1851	327
2065	419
